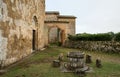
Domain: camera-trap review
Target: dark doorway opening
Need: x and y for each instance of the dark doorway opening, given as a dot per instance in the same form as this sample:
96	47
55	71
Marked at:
33	40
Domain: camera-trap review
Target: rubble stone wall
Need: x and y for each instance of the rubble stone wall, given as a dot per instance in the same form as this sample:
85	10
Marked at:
103	46
71	27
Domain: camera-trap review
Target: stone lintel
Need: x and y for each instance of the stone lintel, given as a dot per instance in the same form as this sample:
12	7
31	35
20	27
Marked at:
67	16
52	12
56	22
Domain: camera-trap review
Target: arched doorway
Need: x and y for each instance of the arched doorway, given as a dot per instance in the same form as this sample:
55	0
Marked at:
56	35
35	34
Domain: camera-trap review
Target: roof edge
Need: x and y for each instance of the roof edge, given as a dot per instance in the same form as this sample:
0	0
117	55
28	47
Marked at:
67	16
56	21
52	12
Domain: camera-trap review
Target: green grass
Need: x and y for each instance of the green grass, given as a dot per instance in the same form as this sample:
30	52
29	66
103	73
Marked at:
39	65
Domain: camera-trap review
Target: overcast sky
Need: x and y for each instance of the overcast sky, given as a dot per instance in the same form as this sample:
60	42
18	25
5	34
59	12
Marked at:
93	16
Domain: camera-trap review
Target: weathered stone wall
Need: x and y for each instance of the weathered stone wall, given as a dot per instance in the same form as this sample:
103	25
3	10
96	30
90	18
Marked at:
53	17
16	28
104	46
52	24
53	34
72	23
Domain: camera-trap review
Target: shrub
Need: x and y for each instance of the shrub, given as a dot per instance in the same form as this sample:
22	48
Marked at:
117	36
92	37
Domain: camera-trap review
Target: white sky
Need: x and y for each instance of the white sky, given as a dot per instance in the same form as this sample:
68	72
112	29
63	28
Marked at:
93	16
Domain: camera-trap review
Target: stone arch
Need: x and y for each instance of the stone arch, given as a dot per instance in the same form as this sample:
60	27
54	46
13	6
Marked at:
35	20
61	25
56	34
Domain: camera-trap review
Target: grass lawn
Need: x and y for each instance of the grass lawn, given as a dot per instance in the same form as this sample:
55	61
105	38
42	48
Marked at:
39	65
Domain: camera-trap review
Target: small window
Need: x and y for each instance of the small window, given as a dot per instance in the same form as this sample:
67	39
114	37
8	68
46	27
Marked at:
35	21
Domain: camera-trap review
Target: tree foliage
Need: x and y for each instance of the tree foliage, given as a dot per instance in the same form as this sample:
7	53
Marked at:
117	36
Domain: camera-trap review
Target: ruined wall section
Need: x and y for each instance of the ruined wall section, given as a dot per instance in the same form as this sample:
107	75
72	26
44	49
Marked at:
52	33
41	17
16	26
59	24
72	23
51	16
98	46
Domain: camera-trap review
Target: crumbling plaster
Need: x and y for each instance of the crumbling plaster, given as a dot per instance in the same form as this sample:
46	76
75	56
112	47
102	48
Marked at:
16	26
18	21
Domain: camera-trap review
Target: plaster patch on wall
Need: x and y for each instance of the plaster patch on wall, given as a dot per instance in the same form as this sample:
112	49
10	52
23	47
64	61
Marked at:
5	12
13	9
10	21
24	25
22	9
3	47
12	1
19	22
1	9
0	14
15	32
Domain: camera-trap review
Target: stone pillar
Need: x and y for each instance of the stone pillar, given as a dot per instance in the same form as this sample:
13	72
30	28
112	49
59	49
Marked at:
88	59
98	63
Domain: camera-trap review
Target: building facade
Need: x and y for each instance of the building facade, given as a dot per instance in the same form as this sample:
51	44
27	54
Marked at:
21	29
58	27
25	27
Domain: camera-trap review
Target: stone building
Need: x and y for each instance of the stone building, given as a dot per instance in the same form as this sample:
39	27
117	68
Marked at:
21	28
58	27
25	27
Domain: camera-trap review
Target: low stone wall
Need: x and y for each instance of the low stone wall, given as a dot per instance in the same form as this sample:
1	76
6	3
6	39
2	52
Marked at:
104	46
